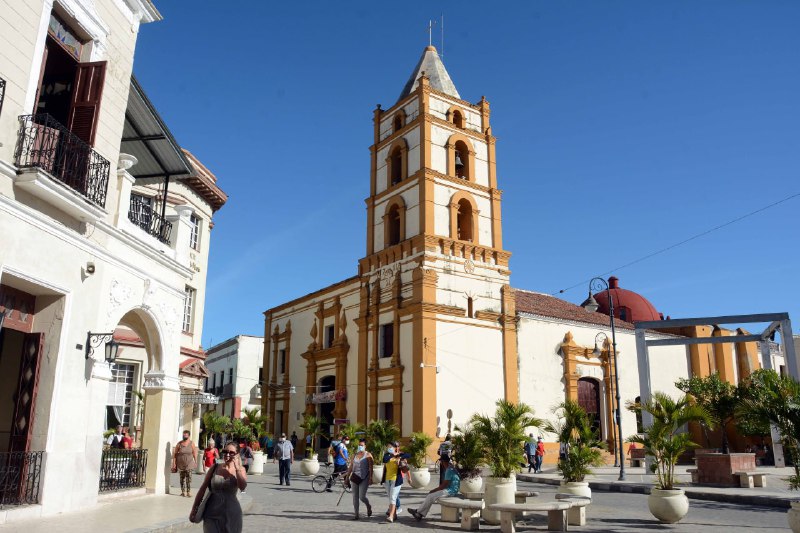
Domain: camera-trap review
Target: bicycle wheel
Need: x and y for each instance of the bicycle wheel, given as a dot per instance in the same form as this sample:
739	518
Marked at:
319	484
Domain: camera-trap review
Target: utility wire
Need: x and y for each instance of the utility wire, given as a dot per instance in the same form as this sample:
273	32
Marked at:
693	237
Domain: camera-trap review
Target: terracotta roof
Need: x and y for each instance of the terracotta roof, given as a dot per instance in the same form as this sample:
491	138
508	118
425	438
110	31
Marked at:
540	304
204	182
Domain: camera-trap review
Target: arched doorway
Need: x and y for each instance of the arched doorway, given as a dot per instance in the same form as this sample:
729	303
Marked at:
325	409
589	400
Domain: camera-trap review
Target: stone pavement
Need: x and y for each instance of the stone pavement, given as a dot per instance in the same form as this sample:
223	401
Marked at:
775	494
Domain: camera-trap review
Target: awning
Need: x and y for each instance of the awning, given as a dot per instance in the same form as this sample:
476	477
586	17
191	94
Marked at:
147	138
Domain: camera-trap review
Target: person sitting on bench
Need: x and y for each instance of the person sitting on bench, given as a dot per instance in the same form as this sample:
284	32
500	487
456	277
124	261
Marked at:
448	487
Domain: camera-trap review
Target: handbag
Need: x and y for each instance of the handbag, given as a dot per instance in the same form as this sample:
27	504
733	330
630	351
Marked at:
201	507
355	478
402	465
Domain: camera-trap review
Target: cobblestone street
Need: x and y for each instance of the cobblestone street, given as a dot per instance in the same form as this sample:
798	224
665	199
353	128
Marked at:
297	508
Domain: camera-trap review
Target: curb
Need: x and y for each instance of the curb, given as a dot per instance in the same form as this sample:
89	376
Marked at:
691	492
179	524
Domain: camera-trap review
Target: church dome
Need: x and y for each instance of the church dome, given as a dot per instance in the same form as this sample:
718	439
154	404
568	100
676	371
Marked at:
628	305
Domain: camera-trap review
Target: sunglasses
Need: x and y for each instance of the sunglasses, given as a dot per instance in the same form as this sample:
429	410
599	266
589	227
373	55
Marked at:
228	453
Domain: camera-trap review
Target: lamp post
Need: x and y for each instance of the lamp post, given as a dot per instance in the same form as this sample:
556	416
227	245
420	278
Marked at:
597	285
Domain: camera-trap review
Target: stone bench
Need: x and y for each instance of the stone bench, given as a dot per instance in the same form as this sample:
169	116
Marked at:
556	514
470	512
749	479
576	516
520	496
695	475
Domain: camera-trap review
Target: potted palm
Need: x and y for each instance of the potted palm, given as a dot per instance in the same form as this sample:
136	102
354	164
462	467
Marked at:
583	447
502	437
313	426
665	440
468	456
258	426
418	449
379	434
770	396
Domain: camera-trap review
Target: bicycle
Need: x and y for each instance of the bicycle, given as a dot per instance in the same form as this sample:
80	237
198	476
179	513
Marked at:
321	483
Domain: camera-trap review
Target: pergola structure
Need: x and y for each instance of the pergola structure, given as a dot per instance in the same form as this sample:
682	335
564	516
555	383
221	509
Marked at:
777	322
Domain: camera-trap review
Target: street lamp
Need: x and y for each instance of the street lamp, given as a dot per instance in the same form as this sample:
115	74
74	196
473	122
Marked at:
94	340
597	285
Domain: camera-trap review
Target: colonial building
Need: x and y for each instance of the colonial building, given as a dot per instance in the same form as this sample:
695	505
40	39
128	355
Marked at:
429	330
235	374
103	251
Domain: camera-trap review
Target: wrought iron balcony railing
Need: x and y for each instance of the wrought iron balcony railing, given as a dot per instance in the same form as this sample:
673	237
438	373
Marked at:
144	216
46	144
20	475
122	469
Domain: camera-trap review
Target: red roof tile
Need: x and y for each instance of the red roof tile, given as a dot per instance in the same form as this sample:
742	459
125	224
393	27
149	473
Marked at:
540	304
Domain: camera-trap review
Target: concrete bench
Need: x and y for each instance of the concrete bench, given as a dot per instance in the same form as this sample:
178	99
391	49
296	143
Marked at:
520	496
749	479
470	512
695	475
576	516
637	457
556	514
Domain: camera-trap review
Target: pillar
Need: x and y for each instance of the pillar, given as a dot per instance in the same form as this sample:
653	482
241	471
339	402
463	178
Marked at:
162	402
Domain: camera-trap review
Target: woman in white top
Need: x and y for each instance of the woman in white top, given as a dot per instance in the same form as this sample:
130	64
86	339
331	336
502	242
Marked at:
360	476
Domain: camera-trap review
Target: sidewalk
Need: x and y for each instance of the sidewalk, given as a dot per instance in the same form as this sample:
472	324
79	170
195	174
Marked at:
775	494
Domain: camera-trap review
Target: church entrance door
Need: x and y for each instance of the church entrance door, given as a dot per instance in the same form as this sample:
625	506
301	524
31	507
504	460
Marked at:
589	400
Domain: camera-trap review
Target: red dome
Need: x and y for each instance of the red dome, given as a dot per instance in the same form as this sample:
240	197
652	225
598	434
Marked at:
628	305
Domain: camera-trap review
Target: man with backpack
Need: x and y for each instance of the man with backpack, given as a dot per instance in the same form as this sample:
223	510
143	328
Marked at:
340	456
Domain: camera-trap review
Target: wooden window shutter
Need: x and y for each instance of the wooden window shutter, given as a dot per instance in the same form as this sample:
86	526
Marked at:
27	389
86	94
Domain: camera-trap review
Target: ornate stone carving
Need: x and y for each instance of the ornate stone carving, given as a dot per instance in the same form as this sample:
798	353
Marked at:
118	294
148	293
158	380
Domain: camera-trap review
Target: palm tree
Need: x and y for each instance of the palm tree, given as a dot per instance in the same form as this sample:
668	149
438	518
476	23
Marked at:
354	431
503	435
313	426
379	434
467	451
256	421
584	446
216	425
664	440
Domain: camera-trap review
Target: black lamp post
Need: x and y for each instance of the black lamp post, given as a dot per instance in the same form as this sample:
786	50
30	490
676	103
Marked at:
597	285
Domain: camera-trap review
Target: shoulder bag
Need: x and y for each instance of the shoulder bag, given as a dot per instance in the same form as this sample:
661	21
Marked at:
201	507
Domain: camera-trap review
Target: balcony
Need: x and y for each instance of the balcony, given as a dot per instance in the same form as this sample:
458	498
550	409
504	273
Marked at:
144	216
60	168
227	390
20	476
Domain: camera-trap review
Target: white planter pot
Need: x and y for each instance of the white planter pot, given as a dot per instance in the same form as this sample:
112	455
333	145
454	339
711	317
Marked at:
420	477
377	474
309	467
471	484
794	517
257	468
498	490
578	488
669	506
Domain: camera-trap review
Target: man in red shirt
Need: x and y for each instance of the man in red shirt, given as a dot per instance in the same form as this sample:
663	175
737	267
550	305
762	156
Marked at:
539	455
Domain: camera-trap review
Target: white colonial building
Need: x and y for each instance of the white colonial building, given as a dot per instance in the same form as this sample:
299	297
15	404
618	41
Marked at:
105	233
430	330
235	374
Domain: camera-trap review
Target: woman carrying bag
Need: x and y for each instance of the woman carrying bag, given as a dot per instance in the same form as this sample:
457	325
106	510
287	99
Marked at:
220	512
359	476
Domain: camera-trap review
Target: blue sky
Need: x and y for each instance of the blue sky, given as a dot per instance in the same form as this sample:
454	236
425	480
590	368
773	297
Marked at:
623	127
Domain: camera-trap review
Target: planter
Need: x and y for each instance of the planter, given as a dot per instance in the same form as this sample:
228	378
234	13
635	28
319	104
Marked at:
420	477
669	506
794	517
377	474
309	467
498	490
578	488
471	484
257	468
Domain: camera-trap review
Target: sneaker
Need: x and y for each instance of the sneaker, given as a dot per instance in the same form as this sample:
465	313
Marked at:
415	514
398	511
389	519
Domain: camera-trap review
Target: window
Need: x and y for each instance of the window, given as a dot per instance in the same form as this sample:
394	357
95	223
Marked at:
188	309
396	162
458	119
329	335
221	379
398	122
461	158
230	376
260	375
386	411
393	221
469	307
281	361
214	381
120	393
464	221
194	236
386	340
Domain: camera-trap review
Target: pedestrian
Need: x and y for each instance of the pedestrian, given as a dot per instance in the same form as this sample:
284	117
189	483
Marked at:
360	477
448	487
284	453
563	450
540	451
115	440
530	453
293	439
246	453
127	441
340	457
210	455
222	513
184	461
445	448
395	465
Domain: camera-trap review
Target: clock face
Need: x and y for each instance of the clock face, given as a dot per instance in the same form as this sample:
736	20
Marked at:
469	266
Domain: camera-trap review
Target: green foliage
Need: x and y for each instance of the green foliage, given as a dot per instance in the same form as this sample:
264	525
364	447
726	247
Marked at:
718	397
216	425
354	431
584	448
418	449
467	451
663	440
379	434
107	433
503	435
256	421
240	430
315	427
776	398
